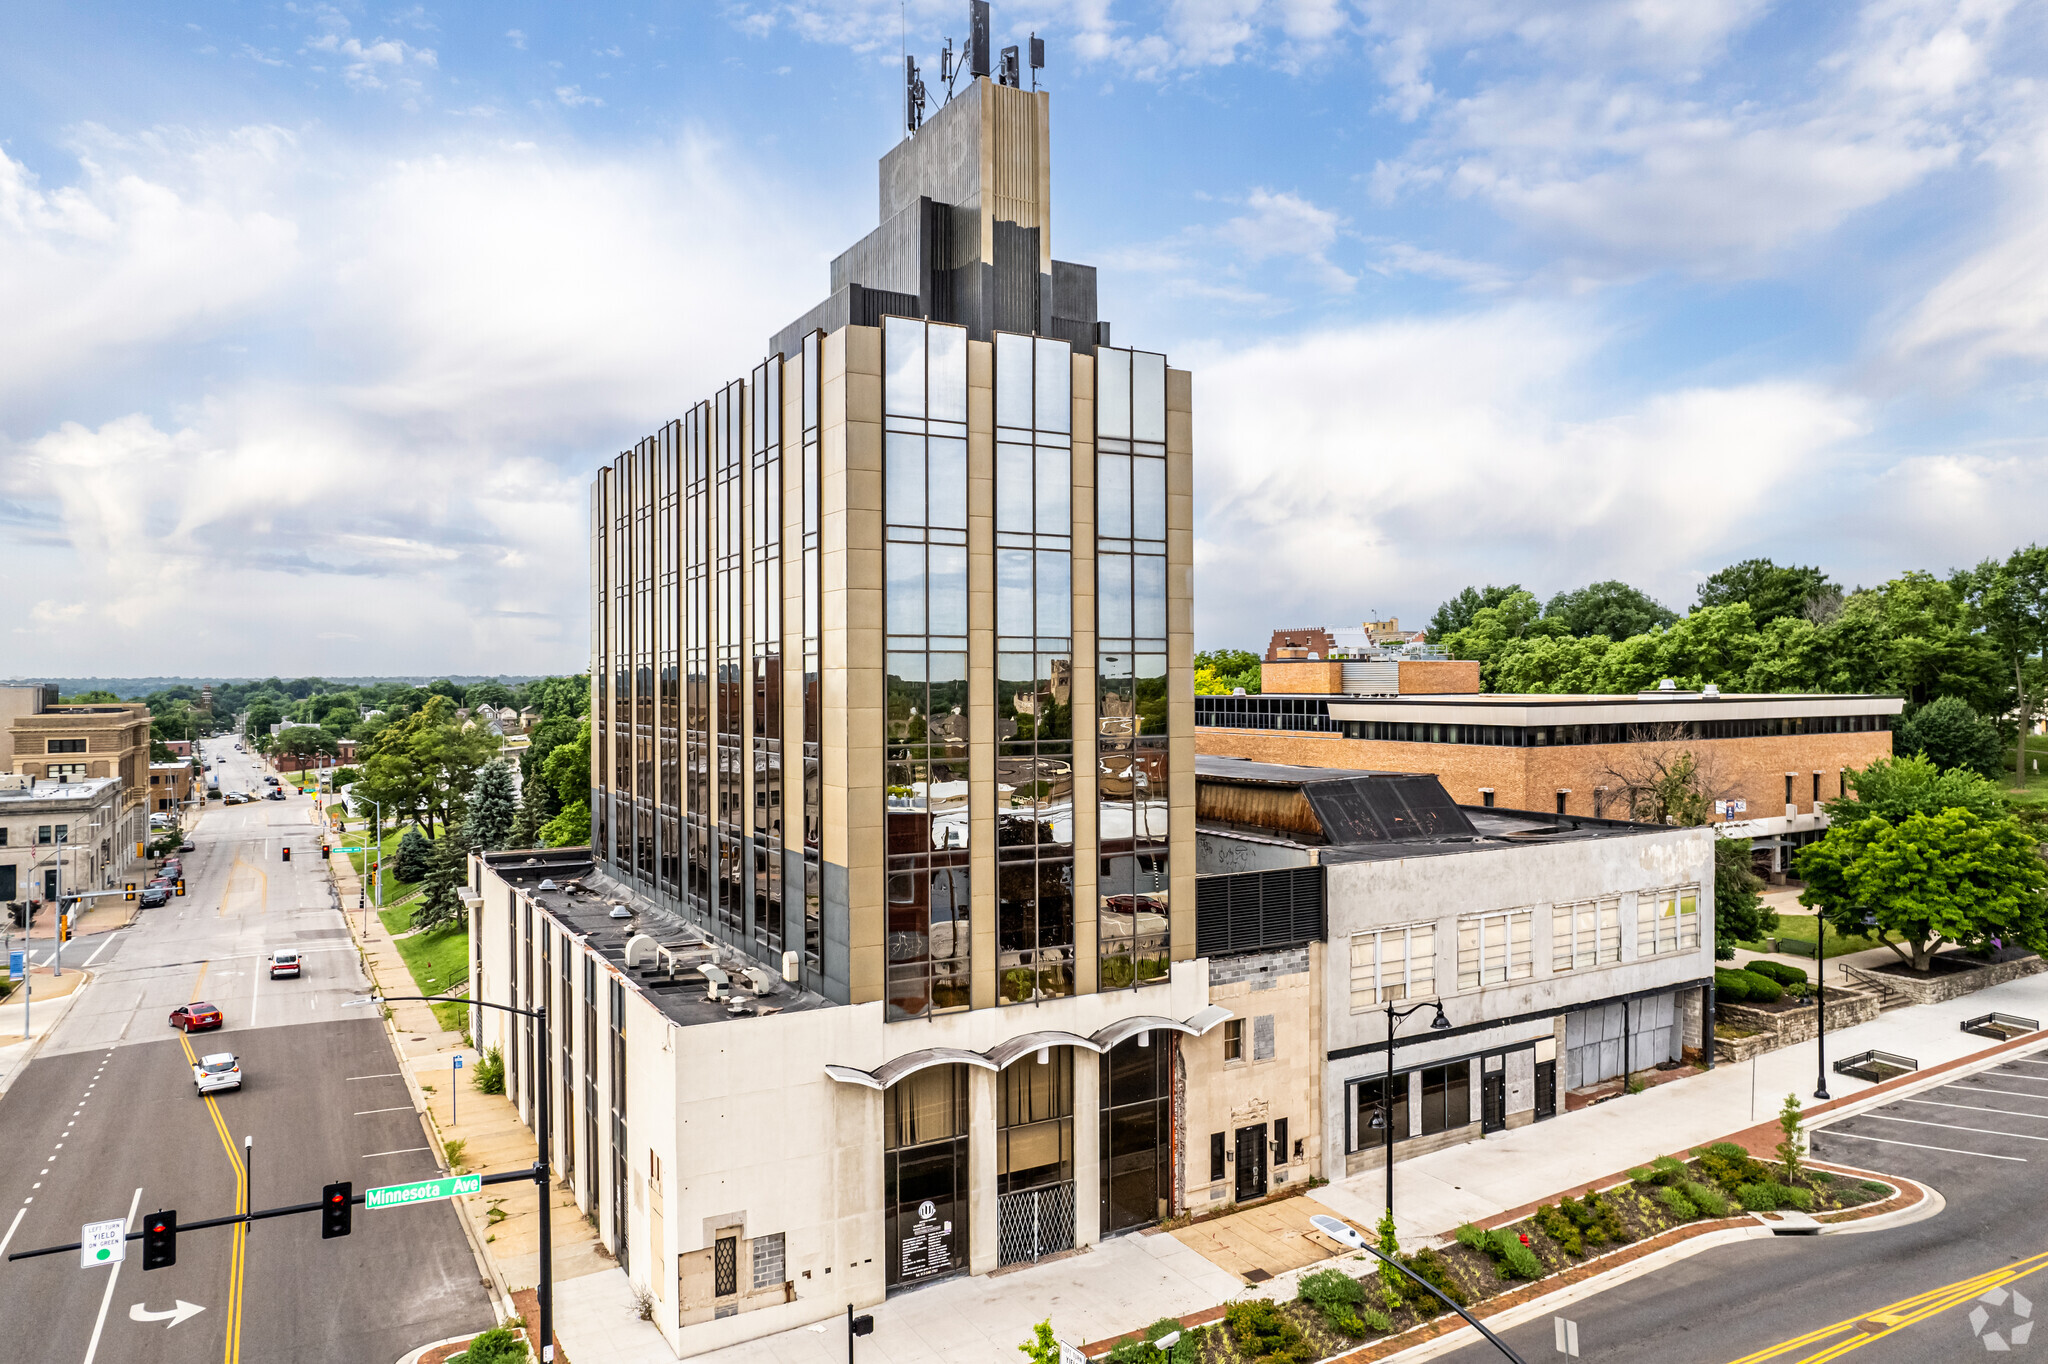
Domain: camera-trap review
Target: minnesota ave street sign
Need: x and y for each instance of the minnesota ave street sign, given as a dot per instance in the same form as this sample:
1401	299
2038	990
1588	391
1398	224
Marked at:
425	1191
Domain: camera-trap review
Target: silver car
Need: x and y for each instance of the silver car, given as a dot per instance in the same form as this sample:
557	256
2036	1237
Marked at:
221	1070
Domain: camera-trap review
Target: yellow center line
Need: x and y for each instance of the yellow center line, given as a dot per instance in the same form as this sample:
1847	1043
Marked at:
197	981
232	1351
1860	1330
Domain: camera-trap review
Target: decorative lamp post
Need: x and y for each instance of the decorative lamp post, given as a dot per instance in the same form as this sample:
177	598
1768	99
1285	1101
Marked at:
1383	1116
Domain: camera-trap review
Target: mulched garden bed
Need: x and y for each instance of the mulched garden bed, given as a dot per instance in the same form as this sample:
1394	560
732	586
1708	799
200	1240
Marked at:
1722	1181
1950	962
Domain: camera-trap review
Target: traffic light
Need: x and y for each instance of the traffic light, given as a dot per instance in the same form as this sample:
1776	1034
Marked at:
160	1240
63	928
325	849
287	854
336	1210
130	895
181	885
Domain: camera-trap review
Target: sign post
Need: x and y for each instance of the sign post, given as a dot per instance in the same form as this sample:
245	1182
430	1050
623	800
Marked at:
103	1243
454	1087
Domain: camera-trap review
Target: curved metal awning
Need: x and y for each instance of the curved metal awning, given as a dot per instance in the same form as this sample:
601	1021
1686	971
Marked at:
1004	1054
889	1072
1123	1029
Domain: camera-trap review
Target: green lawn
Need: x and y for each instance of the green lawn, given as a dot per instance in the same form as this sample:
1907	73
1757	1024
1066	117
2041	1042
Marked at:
394	889
439	961
1802	927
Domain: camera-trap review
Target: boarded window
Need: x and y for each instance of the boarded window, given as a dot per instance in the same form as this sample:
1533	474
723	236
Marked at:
768	1266
1262	1038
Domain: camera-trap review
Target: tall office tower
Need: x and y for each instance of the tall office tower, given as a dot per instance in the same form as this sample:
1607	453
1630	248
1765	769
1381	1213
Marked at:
930	559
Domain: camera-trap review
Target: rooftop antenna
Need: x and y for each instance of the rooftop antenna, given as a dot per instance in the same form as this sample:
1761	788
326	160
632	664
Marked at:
948	69
1009	74
1037	58
913	97
977	39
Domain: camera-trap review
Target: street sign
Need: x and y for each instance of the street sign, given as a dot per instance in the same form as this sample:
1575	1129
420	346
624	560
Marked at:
103	1243
17	964
458	1063
424	1191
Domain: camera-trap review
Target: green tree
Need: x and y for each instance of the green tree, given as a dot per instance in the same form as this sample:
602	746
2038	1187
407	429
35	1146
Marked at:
1390	1247
487	693
1219	672
1789	1149
2009	603
1771	591
1740	914
1949	733
441	686
1043	1347
1494	630
567	770
492	807
1610	608
526	824
414	852
1895	788
306	741
1457	613
447	873
263	713
1930	879
96	697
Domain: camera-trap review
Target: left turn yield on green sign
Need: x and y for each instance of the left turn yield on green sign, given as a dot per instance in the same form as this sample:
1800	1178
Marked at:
103	1243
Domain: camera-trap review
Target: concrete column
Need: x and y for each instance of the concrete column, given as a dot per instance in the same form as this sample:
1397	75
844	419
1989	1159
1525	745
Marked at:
981	1170
1087	1147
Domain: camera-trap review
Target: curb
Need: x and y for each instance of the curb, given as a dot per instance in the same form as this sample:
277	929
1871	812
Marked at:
35	1048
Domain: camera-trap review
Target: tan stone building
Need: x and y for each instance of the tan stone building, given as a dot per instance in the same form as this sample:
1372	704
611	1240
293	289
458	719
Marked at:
58	743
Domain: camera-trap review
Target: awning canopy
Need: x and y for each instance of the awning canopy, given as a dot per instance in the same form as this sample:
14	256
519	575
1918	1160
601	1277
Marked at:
1004	1054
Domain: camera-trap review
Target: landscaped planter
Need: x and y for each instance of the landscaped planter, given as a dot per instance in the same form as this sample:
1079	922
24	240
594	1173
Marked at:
1958	980
1770	1029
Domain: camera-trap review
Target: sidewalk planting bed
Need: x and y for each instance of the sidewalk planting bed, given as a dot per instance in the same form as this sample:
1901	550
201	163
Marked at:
1351	1306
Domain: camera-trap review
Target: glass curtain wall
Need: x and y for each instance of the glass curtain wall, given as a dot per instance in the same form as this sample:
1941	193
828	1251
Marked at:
1131	747
642	550
924	498
697	749
813	588
729	476
620	1178
764	595
668	703
1034	668
925	1174
600	688
620	576
592	1162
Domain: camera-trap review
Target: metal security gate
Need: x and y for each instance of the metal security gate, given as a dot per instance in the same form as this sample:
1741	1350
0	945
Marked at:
1035	1223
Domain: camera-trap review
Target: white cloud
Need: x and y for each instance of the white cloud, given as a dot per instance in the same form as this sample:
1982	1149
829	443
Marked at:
450	344
517	38
1387	465
1285	224
573	97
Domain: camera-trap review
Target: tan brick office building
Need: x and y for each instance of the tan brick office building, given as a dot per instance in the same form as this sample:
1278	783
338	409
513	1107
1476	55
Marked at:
57	743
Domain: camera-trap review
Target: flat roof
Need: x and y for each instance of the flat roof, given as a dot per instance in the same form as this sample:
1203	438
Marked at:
581	899
1499	708
45	789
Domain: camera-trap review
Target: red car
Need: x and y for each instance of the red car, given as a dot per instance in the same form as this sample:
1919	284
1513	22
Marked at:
195	1017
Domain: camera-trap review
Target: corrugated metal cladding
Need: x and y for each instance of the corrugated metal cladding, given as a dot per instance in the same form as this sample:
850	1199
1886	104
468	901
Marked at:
1016	278
1371	677
1254	910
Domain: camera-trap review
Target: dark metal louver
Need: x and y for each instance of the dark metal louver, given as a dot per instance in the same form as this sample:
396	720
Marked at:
1254	910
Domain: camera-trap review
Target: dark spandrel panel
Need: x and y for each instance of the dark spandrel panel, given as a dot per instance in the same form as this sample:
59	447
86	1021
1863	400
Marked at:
1386	810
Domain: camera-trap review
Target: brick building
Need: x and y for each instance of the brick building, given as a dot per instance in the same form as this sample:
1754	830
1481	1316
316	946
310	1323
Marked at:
57	743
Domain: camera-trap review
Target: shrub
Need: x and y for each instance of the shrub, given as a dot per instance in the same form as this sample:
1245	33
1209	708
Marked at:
499	1345
1431	1269
1337	1296
1707	1199
1762	989
489	1075
1516	1259
1262	1333
1729	1165
1759	1197
1677	1204
1778	971
1872	1186
1820	1176
1559	1229
1472	1238
1795	1197
1377	1321
1731	987
1643	1175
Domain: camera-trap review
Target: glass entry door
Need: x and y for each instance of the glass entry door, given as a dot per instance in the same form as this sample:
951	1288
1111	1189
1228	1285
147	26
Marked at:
925	1183
1136	1133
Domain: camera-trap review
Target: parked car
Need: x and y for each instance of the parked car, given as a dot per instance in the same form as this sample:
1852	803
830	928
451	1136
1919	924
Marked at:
271	781
284	964
238	798
188	846
221	1070
155	896
195	1017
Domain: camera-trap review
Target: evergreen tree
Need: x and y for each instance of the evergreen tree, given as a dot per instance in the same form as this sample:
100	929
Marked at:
414	852
492	809
526	827
1949	733
447	873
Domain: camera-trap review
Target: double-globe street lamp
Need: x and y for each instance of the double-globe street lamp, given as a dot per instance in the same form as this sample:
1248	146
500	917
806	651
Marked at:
1383	1116
542	1176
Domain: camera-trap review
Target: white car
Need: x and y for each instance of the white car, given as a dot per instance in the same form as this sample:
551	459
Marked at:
221	1070
284	964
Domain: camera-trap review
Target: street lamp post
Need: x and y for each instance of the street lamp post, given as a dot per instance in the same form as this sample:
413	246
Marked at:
541	1173
1383	1117
1820	1007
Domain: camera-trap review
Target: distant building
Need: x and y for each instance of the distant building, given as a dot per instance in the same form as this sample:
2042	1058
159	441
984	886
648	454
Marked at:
170	785
60	743
70	834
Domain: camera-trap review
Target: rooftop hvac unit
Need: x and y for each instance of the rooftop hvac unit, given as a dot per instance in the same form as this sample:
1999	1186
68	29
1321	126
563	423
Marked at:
1371	677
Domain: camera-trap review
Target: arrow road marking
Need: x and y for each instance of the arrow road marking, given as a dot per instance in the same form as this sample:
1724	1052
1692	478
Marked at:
175	1315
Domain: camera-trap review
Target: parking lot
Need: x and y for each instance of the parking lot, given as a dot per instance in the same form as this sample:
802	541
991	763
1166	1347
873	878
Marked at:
1965	1128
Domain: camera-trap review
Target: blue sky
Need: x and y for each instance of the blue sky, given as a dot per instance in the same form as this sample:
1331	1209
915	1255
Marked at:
318	317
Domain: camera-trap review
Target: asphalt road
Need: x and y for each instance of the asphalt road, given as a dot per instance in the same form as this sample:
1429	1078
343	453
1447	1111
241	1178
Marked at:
105	1121
1981	1141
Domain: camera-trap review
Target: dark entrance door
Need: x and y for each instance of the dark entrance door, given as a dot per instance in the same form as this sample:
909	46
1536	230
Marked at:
1251	1163
1493	1100
1136	1133
1546	1089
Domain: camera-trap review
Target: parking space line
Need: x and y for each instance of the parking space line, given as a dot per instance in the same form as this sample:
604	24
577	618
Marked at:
406	1152
2004	1074
1887	1141
1973	1108
2008	1093
402	1108
1954	1127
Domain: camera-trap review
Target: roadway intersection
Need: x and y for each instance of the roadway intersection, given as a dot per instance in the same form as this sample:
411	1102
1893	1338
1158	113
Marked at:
105	1124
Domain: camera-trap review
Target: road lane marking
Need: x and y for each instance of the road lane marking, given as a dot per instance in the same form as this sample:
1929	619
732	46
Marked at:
97	950
93	1348
1952	1150
402	1108
406	1152
1973	1108
1954	1127
18	1215
197	982
387	1075
1899	1315
231	1352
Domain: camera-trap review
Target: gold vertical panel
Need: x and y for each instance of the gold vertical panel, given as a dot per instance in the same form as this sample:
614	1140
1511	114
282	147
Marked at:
854	632
1087	818
1180	671
1017	165
832	599
981	672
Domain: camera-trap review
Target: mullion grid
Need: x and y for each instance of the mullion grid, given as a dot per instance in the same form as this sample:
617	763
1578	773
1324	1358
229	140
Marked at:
812	588
929	940
697	659
1034	668
764	523
729	644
